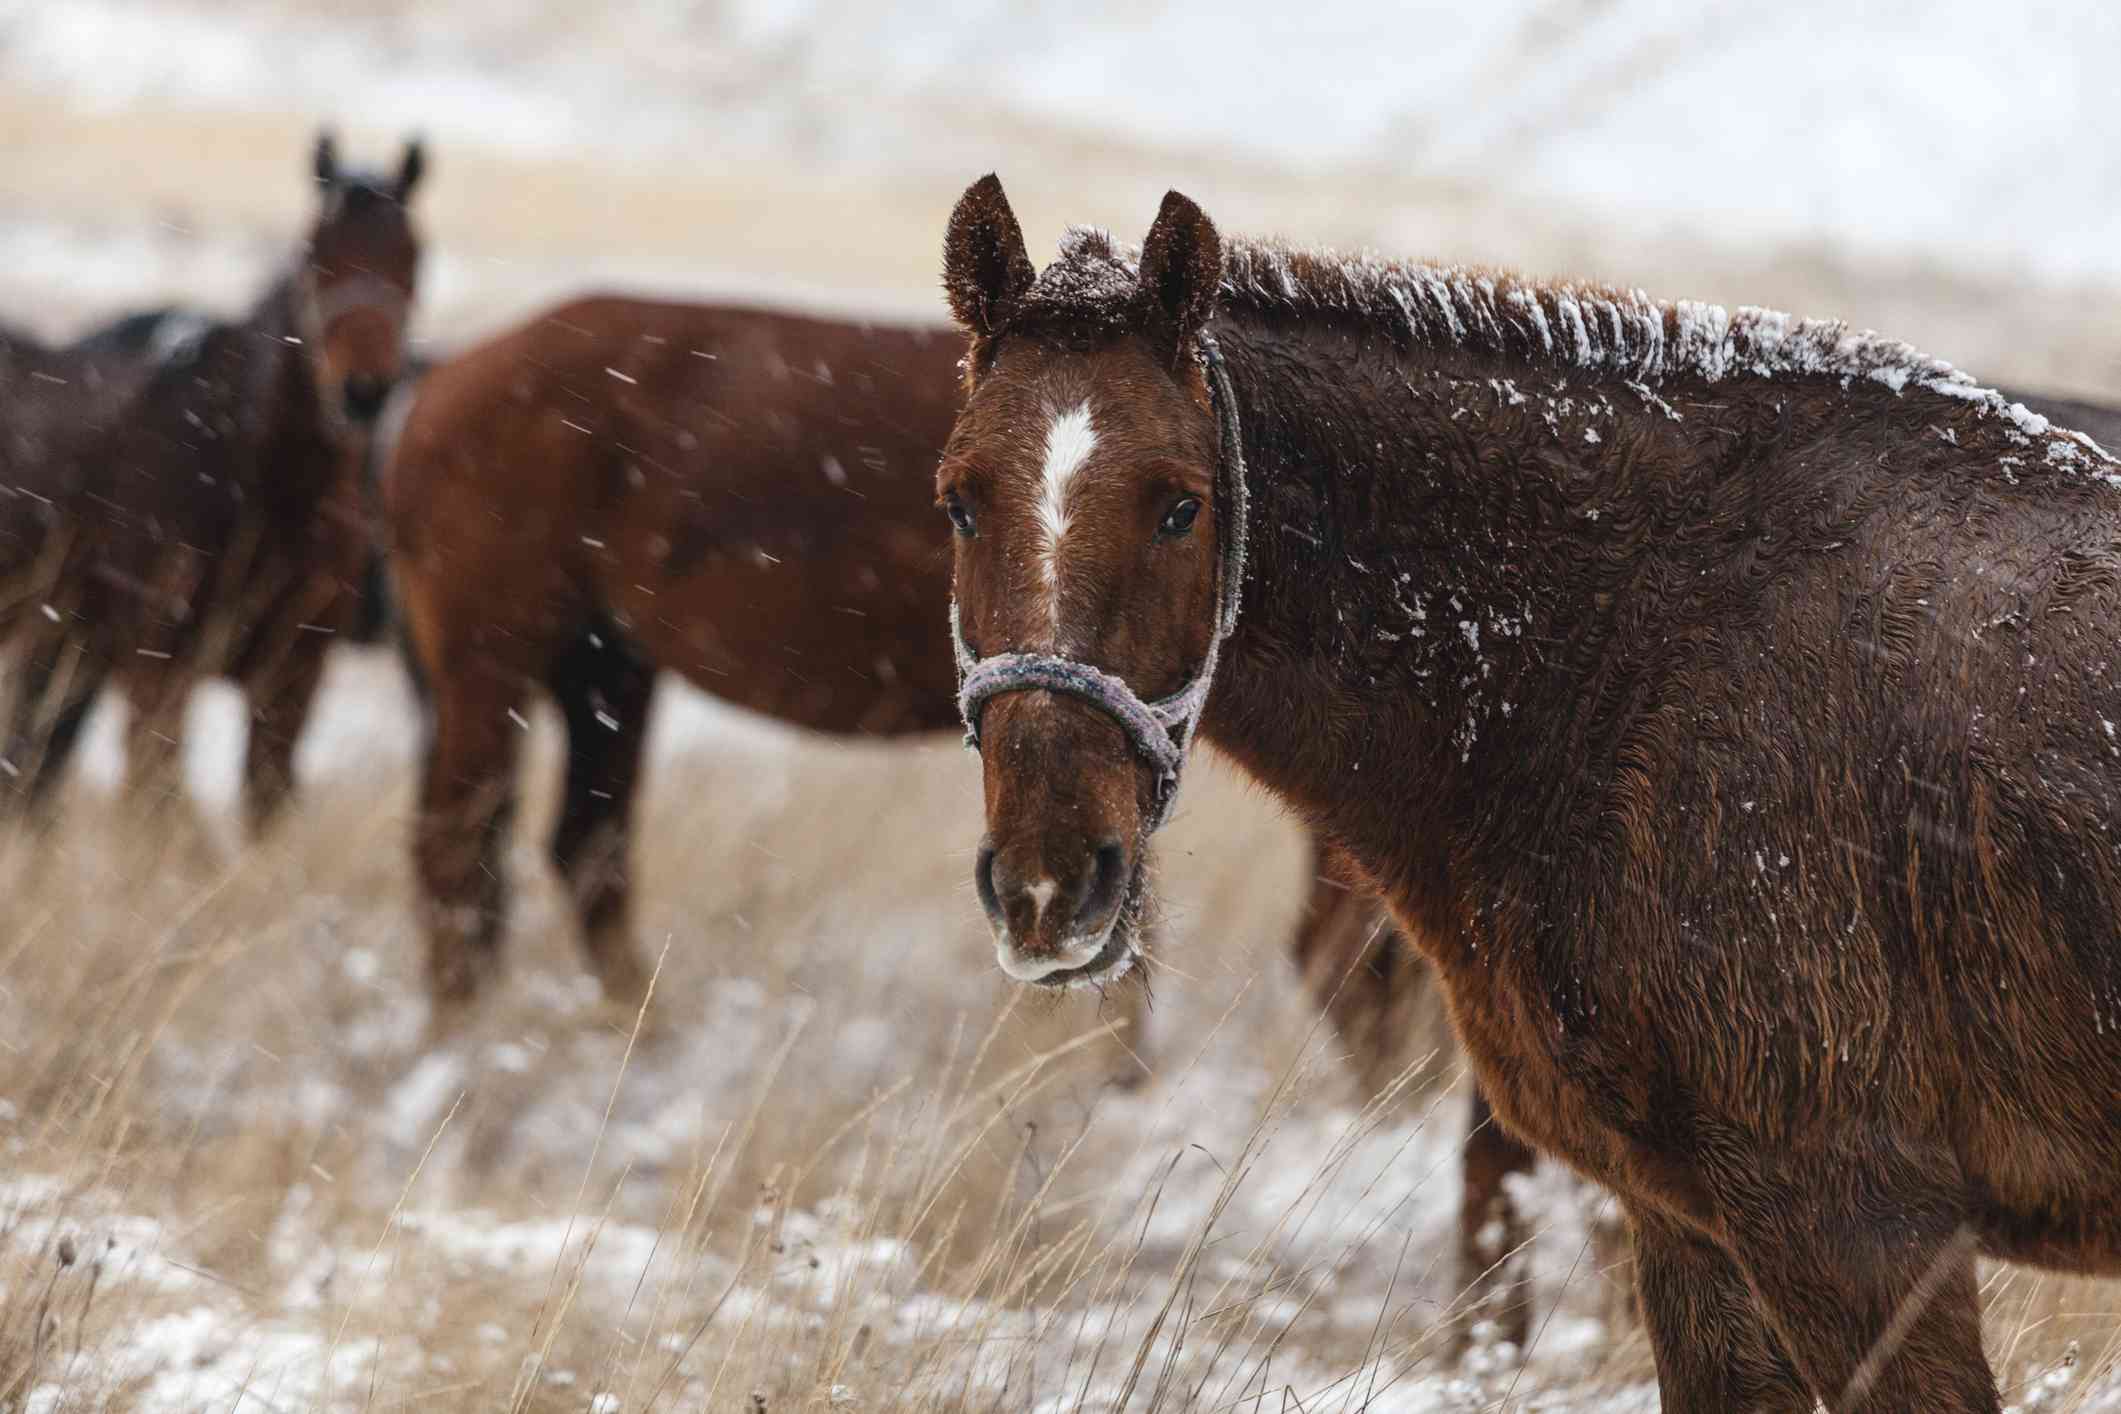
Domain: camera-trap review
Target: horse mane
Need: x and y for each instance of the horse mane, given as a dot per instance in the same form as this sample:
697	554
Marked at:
1564	326
167	333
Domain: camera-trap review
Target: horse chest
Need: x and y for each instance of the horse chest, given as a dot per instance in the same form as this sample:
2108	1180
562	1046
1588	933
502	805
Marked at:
1558	1089
1509	1043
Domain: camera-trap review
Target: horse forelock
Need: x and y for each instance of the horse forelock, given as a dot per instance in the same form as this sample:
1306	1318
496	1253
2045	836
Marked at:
1091	290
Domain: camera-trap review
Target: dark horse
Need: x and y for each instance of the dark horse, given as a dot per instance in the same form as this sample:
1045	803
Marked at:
55	398
1370	980
1724	703
206	518
58	403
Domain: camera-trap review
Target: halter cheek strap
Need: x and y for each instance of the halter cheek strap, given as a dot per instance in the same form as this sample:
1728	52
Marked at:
1160	731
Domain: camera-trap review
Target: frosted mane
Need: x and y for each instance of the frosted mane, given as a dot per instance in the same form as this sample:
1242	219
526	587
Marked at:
1561	324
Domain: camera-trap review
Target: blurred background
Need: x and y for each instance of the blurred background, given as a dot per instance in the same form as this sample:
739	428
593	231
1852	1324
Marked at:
1945	171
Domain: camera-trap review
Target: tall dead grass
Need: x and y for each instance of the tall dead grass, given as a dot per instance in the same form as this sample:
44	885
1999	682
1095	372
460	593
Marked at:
835	1165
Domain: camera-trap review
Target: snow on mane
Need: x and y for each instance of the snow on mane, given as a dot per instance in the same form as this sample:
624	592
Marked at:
1568	325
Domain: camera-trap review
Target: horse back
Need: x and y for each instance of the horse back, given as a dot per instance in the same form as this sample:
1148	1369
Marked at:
750	493
64	405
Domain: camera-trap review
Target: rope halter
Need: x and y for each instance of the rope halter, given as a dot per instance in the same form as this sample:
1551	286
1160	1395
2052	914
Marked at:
327	302
1161	731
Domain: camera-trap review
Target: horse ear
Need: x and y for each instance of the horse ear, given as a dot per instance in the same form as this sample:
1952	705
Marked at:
411	169
985	268
326	162
1181	273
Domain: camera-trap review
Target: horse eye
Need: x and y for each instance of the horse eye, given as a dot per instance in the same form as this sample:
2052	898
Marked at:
1179	519
960	514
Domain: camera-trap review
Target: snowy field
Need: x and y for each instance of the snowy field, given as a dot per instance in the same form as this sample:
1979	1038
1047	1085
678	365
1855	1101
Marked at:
843	1167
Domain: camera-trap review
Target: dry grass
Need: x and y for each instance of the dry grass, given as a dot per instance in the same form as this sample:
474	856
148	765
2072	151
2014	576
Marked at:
839	1167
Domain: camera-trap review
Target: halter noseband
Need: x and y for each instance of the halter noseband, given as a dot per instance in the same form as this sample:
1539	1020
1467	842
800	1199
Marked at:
352	293
1161	731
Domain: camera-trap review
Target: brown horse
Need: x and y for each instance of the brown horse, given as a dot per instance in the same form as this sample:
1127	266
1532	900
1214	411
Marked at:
1371	983
205	519
1724	703
619	486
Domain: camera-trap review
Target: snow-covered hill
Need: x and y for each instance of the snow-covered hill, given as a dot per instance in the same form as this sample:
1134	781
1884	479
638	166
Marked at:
1954	132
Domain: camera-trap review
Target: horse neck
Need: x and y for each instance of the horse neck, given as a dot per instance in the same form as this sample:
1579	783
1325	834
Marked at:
1420	582
295	428
276	311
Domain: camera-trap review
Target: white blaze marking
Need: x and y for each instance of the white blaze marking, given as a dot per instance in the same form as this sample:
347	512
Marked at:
1069	442
1042	893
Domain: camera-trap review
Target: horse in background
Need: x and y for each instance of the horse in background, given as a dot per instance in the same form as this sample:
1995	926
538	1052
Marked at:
54	396
204	517
58	401
736	496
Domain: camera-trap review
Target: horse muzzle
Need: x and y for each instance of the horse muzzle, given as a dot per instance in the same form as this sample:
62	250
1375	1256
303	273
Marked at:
1061	922
363	396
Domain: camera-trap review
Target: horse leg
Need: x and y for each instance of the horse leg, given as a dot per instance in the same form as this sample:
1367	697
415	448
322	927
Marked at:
1867	1272
1714	1351
278	665
154	757
1610	1259
59	746
467	803
279	697
373	611
604	690
1359	969
57	685
1126	1008
1365	976
1491	1232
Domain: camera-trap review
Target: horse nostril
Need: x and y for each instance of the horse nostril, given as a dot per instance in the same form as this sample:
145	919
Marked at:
983	881
1108	875
364	396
